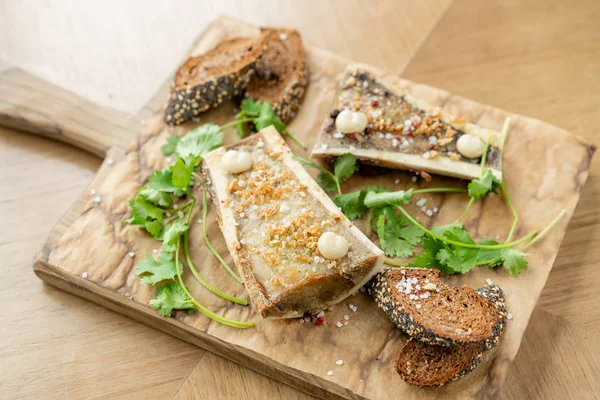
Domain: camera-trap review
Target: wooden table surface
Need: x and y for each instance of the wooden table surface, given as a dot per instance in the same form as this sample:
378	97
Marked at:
539	58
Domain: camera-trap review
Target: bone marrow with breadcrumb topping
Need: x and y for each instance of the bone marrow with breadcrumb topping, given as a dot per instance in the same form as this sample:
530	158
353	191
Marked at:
272	216
403	132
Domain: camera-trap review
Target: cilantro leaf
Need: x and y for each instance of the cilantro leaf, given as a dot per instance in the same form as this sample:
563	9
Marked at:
397	235
251	107
344	167
155	196
482	187
136	218
172	234
197	142
182	172
352	204
489	255
141	208
326	181
169	148
154	228
155	271
377	189
163	181
382	199
170	297
428	258
514	261
267	117
240	127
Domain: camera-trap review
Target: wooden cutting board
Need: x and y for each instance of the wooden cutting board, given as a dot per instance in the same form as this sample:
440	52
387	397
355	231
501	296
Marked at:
545	168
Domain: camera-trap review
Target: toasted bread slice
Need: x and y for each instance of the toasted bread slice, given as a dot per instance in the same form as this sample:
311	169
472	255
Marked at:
281	74
402	132
212	78
430	311
429	365
272	216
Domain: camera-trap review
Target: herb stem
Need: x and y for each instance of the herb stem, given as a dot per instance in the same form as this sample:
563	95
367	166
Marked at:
546	229
207	241
200	307
467	245
295	139
183	206
512	209
486	262
204	283
464	214
234	123
394	263
440	190
485	151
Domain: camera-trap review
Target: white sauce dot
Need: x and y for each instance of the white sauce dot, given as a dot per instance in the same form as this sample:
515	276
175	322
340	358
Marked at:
332	246
236	161
470	146
351	121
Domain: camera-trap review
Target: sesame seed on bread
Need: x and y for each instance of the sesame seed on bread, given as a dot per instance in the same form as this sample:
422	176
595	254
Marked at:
212	78
281	74
430	311
430	365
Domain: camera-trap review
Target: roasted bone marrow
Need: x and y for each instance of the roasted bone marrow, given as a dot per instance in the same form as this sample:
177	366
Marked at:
294	249
386	126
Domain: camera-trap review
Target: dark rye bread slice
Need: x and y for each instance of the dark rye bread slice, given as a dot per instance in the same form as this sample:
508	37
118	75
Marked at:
423	364
212	78
281	74
430	311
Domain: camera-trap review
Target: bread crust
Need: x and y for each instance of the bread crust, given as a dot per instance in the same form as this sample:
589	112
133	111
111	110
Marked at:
190	95
282	73
442	365
403	311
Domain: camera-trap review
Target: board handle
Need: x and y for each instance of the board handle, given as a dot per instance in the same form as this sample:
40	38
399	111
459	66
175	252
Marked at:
33	105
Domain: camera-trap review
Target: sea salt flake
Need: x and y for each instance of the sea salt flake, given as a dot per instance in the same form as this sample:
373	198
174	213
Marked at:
338	135
509	316
84	275
421	202
489	281
330	373
339	362
97	199
110	161
131	254
93	192
339	324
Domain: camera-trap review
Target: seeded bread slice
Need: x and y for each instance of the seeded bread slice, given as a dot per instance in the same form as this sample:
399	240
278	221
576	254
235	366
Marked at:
423	364
210	79
281	74
430	311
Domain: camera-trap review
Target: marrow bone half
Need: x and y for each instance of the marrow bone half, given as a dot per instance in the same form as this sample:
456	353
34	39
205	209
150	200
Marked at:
272	216
404	132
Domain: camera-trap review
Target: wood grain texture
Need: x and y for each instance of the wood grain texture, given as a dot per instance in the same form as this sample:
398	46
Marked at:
544	68
110	280
56	345
103	51
35	106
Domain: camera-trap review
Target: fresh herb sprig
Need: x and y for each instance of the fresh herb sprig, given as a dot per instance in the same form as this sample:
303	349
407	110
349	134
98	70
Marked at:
449	248
172	187
259	115
343	168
